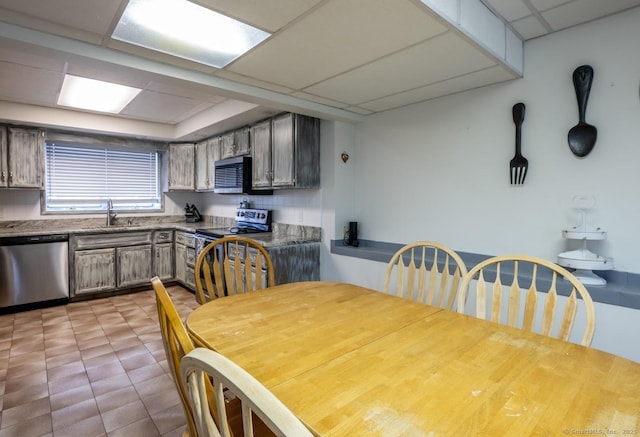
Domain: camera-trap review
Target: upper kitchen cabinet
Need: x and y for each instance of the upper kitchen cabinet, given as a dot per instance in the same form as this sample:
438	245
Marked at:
4	172
261	155
207	153
236	143
181	167
295	151
21	158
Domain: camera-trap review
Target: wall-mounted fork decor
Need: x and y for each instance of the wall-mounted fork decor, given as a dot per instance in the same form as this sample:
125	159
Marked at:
519	165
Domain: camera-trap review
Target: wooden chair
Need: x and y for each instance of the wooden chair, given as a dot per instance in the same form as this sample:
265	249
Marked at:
425	272
220	268
201	364
177	344
506	296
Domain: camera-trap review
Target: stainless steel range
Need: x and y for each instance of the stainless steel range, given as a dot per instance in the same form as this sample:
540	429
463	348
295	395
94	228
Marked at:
248	221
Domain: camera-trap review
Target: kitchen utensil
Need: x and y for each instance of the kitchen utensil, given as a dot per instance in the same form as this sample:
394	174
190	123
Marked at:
582	137
518	165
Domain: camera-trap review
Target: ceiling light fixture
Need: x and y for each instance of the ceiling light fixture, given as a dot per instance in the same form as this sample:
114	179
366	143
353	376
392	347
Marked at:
184	29
95	95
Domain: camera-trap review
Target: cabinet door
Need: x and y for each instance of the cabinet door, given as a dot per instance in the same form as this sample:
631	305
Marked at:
227	145
306	134
181	263
283	152
95	270
261	154
181	167
213	155
163	260
202	171
243	142
25	158
134	265
4	172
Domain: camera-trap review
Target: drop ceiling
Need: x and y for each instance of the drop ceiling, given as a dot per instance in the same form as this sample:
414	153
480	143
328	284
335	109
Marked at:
334	59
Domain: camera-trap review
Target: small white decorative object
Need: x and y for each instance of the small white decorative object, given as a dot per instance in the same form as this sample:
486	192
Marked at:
583	260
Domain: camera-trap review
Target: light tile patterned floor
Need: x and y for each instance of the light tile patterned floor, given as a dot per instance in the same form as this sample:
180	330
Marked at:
92	368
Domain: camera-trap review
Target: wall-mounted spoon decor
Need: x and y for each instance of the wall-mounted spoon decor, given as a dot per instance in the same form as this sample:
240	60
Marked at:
519	165
582	137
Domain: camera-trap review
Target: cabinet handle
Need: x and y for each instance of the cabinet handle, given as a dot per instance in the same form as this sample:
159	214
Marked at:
3	176
10	176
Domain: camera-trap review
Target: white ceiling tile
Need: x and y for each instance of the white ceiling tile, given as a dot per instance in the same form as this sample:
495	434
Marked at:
318	99
582	11
269	15
93	16
417	66
161	107
43	84
510	10
252	81
529	27
30	59
359	110
542	5
470	81
328	42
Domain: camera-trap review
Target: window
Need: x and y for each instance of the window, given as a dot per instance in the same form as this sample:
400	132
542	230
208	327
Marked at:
83	178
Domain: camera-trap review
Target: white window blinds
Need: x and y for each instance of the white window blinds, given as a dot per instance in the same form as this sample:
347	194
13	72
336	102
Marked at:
83	178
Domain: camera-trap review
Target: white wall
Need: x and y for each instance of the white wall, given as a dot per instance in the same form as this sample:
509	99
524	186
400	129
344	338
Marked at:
438	170
446	161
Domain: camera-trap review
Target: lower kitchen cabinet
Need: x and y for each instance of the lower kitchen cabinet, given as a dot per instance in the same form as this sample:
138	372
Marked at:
111	261
163	264
185	259
163	260
95	271
134	265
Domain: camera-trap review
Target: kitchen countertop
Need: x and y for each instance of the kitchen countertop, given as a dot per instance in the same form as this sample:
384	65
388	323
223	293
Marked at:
283	234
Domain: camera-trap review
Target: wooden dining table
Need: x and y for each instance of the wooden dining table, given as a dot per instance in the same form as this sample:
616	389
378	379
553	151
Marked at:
351	361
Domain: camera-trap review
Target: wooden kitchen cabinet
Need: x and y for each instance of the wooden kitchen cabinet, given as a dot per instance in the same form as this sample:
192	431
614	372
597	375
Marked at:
104	262
236	143
207	153
134	265
182	167
163	254
4	169
21	158
290	156
185	259
261	154
95	271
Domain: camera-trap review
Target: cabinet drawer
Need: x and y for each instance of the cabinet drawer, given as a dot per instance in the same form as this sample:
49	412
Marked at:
185	238
163	236
112	239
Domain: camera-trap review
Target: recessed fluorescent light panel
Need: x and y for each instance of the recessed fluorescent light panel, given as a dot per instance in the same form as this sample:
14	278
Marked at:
184	29
95	95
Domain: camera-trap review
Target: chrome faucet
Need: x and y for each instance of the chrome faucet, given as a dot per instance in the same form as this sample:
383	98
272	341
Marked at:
111	216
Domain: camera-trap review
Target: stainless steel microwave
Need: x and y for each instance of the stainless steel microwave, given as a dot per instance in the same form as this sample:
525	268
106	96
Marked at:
234	176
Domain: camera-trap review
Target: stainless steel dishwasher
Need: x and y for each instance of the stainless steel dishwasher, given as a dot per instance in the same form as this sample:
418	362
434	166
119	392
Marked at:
34	269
